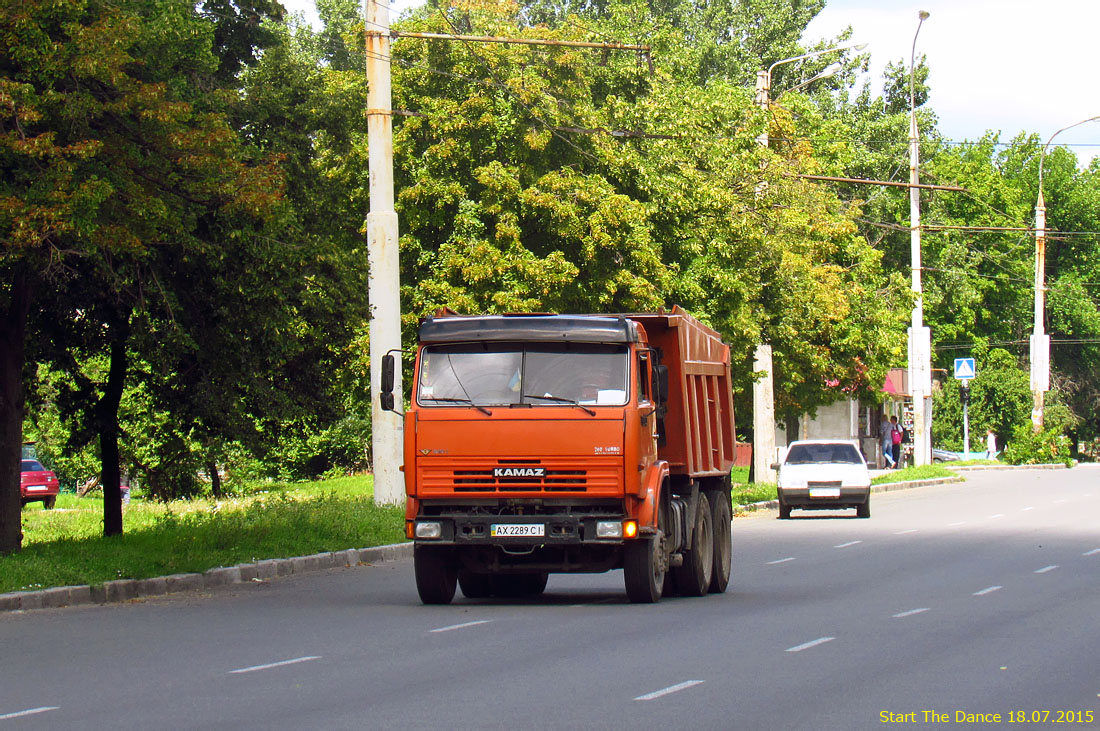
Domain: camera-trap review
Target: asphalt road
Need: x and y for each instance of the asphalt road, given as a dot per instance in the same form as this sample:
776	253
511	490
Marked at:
972	598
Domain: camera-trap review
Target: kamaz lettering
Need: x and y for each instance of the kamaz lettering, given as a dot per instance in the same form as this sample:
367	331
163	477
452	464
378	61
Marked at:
519	472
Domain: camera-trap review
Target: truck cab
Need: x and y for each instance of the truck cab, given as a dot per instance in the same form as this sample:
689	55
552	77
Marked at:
532	446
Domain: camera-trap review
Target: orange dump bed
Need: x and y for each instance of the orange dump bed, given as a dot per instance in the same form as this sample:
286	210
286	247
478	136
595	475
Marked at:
699	424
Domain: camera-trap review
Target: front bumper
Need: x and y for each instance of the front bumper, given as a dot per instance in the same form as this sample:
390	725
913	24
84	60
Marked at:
492	530
811	498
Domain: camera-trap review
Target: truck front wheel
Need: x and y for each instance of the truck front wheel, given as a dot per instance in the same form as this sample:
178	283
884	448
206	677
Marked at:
436	573
644	570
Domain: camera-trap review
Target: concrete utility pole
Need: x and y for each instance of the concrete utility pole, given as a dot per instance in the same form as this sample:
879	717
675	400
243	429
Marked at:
1040	341
763	393
920	337
384	282
383	285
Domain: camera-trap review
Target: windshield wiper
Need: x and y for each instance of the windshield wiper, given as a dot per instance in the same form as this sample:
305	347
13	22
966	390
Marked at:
561	400
466	401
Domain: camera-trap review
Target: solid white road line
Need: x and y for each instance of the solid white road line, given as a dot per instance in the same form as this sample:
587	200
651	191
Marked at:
1093	552
671	689
1046	569
461	626
849	543
988	590
781	560
270	665
28	712
911	612
811	643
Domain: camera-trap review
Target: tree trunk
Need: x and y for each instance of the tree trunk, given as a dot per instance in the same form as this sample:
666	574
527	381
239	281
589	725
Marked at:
107	423
215	479
13	330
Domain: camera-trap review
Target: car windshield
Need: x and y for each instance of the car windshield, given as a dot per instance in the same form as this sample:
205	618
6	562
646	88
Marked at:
821	453
30	465
544	374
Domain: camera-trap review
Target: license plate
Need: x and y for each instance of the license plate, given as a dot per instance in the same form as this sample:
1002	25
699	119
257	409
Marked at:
517	530
825	492
35	488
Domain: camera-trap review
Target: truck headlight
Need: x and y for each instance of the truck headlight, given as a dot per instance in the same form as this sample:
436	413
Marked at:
609	529
429	529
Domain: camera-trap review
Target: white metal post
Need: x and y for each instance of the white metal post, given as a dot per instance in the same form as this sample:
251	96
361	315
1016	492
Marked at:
383	285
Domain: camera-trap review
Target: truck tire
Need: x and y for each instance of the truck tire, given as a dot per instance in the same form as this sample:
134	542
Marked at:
643	570
721	522
693	578
436	573
475	586
517	585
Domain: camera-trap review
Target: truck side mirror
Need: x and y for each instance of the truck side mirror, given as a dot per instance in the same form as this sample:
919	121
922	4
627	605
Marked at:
660	384
385	390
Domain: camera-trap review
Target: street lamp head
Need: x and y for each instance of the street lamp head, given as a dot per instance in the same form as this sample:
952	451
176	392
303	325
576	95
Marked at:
923	15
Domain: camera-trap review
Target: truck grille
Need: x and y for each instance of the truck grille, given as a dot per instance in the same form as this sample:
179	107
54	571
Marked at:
544	476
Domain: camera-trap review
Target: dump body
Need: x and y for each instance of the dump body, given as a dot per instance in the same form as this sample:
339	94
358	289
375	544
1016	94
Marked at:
537	444
699	423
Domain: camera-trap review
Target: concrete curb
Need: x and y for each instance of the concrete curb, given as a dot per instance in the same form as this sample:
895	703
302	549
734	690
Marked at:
123	590
887	487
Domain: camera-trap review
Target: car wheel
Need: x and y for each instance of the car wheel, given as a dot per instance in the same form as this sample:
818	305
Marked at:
784	510
49	502
864	510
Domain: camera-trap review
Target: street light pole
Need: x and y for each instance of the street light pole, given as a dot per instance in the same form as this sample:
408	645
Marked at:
763	394
920	339
1040	341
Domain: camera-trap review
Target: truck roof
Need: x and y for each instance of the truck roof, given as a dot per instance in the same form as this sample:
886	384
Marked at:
574	328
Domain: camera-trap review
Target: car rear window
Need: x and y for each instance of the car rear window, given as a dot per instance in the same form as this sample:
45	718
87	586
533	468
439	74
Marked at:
30	465
821	453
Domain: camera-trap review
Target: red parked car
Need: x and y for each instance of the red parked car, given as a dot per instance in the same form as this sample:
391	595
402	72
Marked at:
38	483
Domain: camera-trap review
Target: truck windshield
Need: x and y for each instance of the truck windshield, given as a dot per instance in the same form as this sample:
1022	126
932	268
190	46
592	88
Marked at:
543	374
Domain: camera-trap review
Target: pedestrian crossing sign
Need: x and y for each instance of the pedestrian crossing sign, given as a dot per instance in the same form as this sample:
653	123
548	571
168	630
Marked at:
964	368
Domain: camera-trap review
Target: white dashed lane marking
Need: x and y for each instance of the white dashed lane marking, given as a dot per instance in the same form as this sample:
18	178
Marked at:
780	560
849	543
28	712
901	533
911	612
1093	552
669	690
811	643
461	626
1045	569
279	664
988	590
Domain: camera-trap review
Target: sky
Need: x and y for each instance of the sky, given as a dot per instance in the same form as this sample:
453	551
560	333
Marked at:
1009	66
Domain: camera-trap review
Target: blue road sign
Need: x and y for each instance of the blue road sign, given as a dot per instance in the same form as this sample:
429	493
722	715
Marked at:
964	368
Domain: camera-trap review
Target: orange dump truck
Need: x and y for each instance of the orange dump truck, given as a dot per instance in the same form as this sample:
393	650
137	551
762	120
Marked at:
538	444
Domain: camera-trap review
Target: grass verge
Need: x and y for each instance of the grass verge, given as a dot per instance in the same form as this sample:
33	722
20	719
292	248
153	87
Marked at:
66	546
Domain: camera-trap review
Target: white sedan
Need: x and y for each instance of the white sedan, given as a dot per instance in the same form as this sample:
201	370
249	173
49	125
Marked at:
824	474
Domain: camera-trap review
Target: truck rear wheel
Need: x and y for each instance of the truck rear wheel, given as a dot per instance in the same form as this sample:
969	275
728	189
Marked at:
436	573
693	578
643	570
516	585
475	586
721	517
